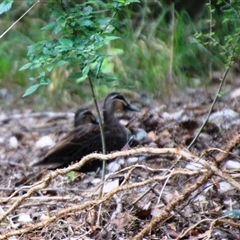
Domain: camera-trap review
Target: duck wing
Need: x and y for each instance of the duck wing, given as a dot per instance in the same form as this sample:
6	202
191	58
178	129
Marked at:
82	141
73	146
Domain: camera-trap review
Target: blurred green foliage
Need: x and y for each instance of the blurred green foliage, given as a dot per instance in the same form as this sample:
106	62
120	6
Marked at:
161	44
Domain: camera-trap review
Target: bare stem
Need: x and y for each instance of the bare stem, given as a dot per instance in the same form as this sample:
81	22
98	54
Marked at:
217	94
5	32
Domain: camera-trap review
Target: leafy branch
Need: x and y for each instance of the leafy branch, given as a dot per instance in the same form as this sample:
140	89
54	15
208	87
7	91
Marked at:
230	50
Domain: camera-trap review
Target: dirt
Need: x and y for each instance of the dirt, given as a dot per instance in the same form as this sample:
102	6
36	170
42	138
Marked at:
159	189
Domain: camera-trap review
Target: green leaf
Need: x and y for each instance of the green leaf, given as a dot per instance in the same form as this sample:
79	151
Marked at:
49	26
31	89
87	10
26	66
61	63
111	79
127	2
71	176
87	23
85	72
29	2
99	65
45	81
66	42
76	75
5	6
57	29
35	47
110	38
50	68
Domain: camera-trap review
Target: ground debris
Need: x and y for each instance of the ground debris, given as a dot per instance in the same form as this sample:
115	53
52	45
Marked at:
157	190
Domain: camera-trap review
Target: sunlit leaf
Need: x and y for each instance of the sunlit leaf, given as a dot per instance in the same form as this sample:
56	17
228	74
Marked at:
29	2
87	10
84	76
49	26
5	6
45	81
26	66
71	176
61	63
31	89
66	42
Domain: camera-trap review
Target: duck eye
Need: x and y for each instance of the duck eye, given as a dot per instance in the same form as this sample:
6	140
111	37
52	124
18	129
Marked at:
119	97
121	101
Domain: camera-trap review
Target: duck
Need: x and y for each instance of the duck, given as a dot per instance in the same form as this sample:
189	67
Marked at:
84	116
86	139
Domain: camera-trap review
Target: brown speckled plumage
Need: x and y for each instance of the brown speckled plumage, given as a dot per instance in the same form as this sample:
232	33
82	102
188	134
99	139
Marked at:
86	139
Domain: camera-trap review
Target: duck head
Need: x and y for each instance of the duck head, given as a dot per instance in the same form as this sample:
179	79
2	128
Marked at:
84	116
116	102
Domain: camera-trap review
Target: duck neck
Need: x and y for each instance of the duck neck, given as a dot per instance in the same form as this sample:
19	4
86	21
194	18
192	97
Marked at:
109	117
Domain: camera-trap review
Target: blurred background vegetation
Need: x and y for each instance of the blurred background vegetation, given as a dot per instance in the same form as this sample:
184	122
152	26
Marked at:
159	51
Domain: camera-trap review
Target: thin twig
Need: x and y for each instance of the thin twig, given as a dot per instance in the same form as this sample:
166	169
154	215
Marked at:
78	207
230	63
211	107
5	32
103	146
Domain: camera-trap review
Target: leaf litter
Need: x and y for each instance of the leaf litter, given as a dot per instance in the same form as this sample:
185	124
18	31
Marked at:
156	190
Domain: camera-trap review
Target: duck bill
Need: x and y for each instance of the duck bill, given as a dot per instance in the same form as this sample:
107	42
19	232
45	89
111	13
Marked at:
132	108
95	121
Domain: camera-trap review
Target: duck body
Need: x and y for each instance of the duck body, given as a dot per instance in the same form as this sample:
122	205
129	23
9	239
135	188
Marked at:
86	139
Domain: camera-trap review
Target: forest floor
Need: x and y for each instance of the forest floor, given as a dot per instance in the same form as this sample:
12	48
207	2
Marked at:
160	190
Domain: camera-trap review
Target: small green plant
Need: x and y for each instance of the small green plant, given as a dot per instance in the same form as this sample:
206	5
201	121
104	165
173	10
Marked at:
81	31
228	49
222	45
151	49
71	176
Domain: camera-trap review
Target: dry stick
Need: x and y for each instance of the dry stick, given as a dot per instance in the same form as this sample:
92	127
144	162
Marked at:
144	194
212	225
208	233
127	176
164	185
9	219
213	222
144	167
167	211
53	174
193	227
231	145
220	173
43	198
18	190
84	160
185	194
230	222
75	208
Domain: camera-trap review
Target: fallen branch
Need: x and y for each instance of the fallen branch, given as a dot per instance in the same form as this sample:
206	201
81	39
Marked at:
69	210
187	192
